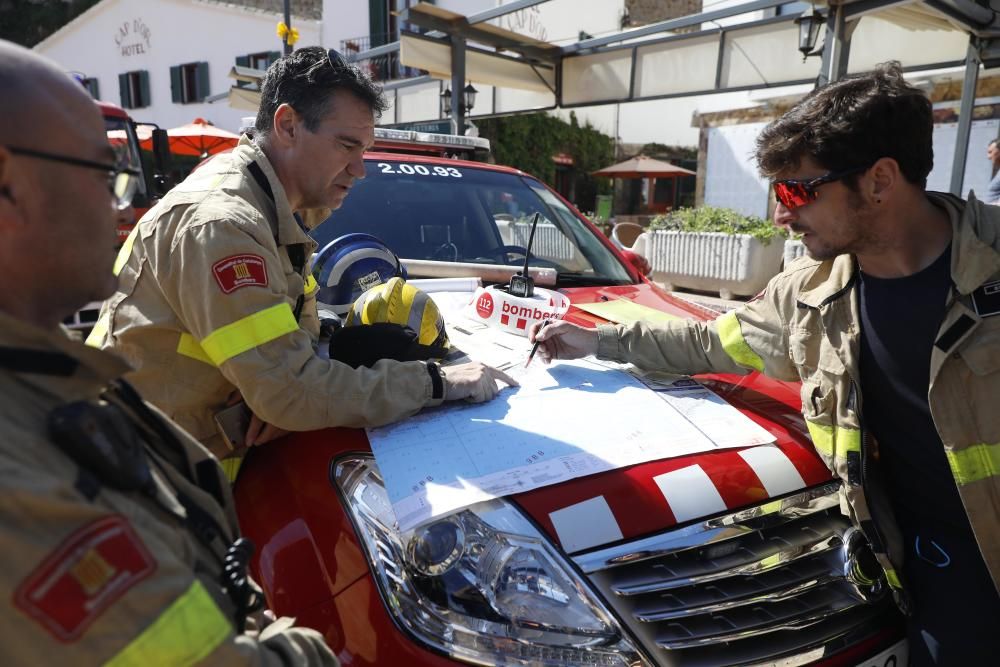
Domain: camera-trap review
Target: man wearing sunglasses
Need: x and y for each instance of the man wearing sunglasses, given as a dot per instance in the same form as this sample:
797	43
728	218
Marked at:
118	536
892	325
214	295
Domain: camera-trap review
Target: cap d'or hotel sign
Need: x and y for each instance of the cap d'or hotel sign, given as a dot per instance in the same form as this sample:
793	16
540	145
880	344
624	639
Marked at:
132	38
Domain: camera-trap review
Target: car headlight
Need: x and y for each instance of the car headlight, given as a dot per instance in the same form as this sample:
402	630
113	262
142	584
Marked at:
482	585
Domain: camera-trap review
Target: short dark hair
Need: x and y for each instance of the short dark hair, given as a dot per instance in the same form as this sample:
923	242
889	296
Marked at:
852	123
307	79
993	143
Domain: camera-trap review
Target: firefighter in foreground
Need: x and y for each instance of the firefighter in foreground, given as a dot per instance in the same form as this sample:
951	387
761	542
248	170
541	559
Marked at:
892	324
214	293
117	528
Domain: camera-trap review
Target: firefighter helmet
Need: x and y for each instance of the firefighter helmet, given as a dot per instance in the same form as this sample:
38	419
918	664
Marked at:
348	266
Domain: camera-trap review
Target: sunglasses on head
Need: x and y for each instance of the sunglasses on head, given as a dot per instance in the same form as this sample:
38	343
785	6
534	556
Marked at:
793	192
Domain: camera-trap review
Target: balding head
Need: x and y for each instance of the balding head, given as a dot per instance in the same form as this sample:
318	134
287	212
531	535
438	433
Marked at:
56	218
37	96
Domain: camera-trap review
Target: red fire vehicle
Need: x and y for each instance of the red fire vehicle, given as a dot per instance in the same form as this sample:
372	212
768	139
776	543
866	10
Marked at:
152	184
758	567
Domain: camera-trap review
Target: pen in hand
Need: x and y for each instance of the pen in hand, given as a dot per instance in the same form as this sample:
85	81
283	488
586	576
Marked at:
534	348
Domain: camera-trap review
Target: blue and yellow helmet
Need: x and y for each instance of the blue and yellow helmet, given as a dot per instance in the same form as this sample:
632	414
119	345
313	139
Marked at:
349	266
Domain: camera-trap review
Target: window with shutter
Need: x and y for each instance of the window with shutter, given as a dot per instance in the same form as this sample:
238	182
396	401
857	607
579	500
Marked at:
92	86
176	85
189	83
124	91
133	89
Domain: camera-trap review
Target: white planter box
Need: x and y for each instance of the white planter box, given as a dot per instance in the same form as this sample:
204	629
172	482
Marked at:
793	250
714	262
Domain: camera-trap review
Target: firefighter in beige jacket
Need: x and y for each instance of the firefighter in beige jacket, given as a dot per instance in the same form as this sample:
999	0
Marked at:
118	538
882	232
214	293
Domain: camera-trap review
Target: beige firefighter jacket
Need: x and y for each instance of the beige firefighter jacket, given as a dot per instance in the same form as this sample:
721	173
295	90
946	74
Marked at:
96	575
209	284
806	327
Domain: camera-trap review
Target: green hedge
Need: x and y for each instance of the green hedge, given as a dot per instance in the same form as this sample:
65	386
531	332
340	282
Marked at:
715	219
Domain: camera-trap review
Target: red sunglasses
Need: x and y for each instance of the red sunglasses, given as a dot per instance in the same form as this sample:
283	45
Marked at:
793	193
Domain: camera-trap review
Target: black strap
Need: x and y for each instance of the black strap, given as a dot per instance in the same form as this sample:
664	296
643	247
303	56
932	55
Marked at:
954	333
21	360
258	175
296	252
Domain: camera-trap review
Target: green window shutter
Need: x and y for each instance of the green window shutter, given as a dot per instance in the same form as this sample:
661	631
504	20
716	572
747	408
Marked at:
243	61
377	22
176	84
144	89
123	91
201	76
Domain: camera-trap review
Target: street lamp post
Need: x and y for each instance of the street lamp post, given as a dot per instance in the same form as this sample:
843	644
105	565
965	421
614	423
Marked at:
467	100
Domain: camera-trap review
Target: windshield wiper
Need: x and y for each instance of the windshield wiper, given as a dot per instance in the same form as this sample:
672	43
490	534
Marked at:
576	278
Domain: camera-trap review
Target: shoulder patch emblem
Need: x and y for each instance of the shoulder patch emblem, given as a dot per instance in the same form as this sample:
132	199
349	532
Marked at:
85	575
239	271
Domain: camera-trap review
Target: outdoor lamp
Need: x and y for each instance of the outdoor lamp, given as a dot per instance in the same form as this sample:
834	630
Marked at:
809	24
446	101
469	97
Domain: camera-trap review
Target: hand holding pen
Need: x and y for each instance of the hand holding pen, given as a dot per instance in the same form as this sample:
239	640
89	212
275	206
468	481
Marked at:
561	340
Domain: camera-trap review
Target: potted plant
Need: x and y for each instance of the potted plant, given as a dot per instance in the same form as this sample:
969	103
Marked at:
712	249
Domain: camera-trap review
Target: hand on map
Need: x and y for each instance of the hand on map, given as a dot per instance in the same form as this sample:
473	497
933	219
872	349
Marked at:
475	382
562	340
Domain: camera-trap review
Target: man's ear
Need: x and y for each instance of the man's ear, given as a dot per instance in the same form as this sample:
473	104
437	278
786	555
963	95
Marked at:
286	124
884	179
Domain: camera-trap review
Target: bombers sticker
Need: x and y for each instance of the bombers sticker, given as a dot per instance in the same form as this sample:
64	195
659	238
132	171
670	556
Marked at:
516	314
85	575
239	271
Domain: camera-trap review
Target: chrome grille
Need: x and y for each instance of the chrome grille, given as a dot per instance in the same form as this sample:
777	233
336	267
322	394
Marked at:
764	585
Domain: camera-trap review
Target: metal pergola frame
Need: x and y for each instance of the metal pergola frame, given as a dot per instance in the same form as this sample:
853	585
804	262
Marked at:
981	24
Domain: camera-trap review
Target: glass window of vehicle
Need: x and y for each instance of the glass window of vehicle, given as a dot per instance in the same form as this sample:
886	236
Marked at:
463	214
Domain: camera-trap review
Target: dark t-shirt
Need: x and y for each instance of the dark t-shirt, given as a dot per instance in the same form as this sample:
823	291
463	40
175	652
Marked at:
957	610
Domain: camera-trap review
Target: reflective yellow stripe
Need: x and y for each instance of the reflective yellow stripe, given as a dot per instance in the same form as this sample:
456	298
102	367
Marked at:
186	633
735	345
310	284
829	440
246	334
893	578
100	330
231	467
975	462
189	347
125	250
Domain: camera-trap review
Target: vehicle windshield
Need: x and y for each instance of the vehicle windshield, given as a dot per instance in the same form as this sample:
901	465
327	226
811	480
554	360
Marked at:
462	214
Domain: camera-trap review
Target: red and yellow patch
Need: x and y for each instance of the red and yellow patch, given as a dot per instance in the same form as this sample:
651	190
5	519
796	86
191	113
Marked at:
85	575
239	271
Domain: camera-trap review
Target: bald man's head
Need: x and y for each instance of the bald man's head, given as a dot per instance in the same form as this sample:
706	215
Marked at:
36	96
57	230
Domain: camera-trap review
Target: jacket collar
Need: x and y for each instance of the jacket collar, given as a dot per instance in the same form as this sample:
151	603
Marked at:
975	239
88	370
286	228
975	233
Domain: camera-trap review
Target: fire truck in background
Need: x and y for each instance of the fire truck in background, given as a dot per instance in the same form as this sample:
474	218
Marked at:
153	183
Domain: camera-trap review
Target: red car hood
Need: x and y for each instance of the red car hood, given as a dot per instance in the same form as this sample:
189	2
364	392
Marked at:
631	496
625	503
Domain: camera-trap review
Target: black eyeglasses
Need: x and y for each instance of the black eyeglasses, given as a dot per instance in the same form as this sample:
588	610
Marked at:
793	193
122	181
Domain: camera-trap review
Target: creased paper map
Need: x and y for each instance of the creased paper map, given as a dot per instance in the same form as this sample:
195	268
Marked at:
566	420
